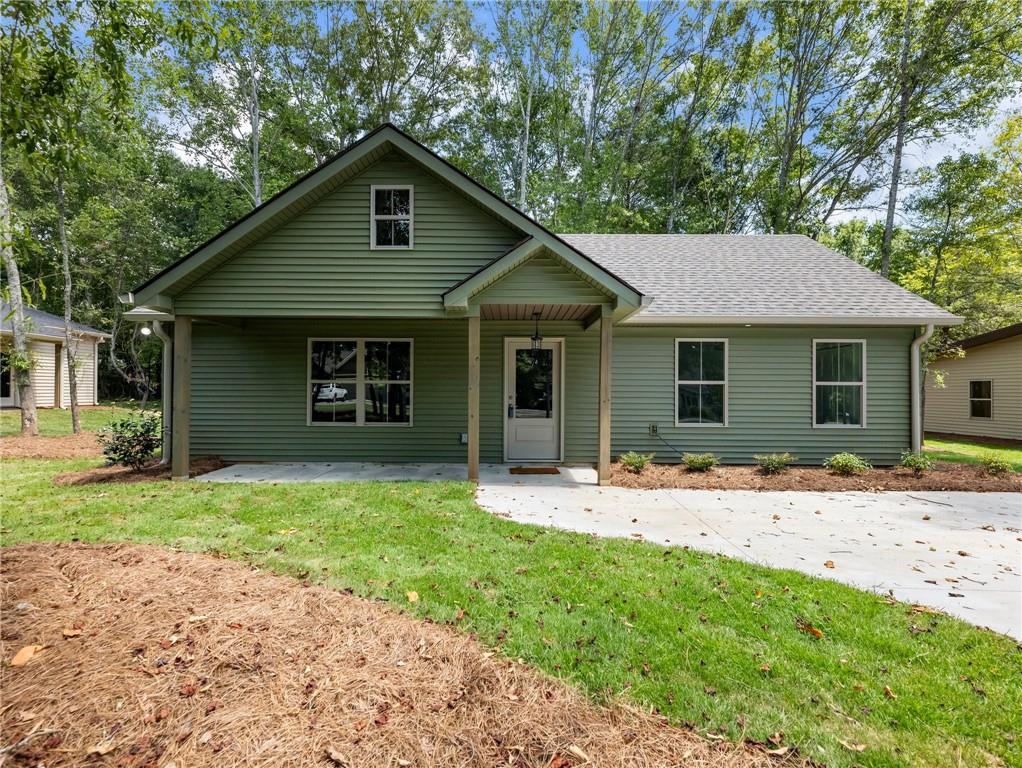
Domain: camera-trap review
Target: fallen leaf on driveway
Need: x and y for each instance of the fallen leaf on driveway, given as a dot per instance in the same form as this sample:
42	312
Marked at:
22	657
829	564
962	553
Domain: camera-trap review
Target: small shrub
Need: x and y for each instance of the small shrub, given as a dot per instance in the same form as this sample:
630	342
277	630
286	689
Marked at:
774	463
700	462
847	464
131	441
919	463
994	464
635	462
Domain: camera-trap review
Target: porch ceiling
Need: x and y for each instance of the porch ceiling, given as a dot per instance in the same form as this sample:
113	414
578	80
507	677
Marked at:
526	311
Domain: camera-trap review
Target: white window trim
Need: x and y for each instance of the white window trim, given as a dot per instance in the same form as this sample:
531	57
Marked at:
677	382
360	382
991	399
373	217
865	410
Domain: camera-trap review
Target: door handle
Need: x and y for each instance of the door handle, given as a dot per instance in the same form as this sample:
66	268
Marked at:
510	411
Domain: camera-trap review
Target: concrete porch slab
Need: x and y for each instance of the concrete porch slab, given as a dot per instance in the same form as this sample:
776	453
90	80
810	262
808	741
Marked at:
493	475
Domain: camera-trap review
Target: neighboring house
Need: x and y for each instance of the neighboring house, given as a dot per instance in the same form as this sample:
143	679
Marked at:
49	360
386	307
980	393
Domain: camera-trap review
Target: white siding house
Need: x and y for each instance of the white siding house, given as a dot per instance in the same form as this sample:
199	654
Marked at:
981	394
50	378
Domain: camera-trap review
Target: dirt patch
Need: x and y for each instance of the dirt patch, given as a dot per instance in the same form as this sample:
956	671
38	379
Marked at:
945	476
117	474
81	446
152	657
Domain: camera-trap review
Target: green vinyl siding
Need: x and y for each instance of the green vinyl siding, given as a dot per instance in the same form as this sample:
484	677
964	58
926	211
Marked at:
542	279
769	394
249	393
320	263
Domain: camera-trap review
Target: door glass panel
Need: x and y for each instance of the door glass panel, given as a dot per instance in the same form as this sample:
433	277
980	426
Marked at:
534	383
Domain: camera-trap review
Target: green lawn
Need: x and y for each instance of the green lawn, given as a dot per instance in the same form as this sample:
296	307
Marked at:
971	451
54	422
707	640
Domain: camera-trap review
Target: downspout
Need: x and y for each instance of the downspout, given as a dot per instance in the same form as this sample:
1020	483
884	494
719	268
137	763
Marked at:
166	394
917	395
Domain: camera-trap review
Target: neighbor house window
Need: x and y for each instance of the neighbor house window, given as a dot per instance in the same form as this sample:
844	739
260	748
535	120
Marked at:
701	372
839	383
981	399
392	217
360	381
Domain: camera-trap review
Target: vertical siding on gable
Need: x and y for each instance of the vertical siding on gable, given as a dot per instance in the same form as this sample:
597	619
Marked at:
320	263
770	394
947	407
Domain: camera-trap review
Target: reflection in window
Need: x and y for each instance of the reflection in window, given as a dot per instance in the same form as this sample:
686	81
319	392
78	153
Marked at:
702	381
360	382
391	217
839	383
981	399
534	383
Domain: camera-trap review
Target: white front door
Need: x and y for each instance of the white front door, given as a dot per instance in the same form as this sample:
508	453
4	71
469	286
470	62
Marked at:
532	400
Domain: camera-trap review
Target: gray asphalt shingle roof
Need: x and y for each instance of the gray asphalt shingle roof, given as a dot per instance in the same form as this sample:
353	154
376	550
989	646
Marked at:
43	323
755	277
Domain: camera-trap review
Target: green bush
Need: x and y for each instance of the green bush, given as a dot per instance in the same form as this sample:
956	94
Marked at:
700	462
847	464
635	462
774	463
994	464
919	463
131	441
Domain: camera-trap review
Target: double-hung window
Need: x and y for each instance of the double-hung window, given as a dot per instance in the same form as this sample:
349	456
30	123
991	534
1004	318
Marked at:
360	381
392	217
839	383
701	382
981	399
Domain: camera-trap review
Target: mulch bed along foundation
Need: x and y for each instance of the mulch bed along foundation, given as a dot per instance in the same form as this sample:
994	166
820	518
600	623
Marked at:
944	477
148	474
81	446
157	658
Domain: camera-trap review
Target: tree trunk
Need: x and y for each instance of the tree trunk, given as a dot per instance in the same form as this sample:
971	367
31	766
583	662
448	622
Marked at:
523	178
253	116
899	142
70	343
21	370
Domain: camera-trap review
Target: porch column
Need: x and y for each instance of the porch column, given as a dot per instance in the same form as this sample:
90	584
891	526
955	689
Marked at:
603	459
182	397
473	397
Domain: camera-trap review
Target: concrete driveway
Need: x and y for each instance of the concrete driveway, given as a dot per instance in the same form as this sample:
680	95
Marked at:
960	552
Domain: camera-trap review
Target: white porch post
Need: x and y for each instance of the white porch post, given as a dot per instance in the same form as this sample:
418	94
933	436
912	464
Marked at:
603	459
182	397
473	397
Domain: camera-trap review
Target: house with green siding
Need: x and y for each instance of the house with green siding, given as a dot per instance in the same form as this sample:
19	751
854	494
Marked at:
388	308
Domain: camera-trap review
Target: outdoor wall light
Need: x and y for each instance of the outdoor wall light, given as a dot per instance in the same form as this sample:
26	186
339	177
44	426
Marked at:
537	340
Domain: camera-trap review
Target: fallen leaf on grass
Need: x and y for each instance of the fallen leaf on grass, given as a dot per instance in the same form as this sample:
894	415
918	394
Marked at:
336	757
780	751
853	746
809	629
764	668
889	693
413	597
22	657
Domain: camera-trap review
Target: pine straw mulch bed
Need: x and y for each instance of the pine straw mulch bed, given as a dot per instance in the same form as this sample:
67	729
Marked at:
81	446
156	658
945	476
149	473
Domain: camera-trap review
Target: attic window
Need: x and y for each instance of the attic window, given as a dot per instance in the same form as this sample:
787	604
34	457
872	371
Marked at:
391	220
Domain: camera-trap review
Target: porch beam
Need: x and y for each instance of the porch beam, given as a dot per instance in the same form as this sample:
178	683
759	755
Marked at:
182	398
473	397
603	458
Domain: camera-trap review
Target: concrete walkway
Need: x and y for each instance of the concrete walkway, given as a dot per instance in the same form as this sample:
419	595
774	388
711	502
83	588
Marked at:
960	552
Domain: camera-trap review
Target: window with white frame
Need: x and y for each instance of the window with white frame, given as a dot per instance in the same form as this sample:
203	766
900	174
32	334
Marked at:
701	385
839	383
392	217
981	399
360	381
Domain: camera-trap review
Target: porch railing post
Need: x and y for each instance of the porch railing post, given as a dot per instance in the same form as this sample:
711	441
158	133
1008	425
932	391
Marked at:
473	397
603	458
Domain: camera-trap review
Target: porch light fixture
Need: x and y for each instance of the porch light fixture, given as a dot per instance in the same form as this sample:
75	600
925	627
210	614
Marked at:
145	330
537	340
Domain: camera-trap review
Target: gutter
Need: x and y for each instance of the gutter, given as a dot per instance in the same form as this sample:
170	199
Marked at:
166	393
917	394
